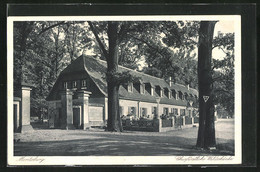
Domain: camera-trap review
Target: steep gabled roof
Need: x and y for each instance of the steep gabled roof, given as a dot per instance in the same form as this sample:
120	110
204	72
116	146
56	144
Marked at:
76	66
96	69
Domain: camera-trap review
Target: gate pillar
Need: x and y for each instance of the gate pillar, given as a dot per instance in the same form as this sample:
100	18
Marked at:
66	109
83	96
25	108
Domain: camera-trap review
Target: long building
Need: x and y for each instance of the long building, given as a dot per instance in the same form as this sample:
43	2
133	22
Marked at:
79	97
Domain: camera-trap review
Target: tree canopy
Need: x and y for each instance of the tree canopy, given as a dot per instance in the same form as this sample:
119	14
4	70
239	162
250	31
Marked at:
43	49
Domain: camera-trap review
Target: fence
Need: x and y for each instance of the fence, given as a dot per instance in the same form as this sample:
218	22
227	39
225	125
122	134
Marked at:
188	120
167	123
139	125
159	125
196	119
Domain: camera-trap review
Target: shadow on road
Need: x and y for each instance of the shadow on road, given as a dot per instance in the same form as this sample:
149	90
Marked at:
109	144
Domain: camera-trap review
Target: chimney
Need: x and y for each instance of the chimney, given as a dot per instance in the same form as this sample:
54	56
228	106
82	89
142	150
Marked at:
188	86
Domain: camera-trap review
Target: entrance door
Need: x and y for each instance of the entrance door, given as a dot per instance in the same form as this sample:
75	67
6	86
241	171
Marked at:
76	117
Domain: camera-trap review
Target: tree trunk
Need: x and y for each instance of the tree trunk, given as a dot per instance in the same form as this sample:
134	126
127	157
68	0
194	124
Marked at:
206	134
114	120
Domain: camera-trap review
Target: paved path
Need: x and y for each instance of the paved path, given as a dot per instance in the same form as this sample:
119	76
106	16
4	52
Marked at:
129	143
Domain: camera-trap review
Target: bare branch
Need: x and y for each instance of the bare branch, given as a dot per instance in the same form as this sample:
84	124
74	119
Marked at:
143	41
214	67
52	26
101	45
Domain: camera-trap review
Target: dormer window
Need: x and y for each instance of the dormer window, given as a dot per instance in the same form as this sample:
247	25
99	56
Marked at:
84	83
149	88
130	87
186	96
181	95
173	92
177	96
74	84
167	93
65	85
159	91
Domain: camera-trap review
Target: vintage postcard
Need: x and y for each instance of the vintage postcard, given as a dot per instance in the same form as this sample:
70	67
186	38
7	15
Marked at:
124	90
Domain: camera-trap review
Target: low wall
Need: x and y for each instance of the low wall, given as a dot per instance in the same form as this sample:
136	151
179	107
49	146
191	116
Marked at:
139	125
158	125
96	115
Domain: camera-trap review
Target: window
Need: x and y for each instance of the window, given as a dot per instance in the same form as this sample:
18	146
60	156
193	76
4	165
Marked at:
130	87
65	85
157	90
143	112
181	95
132	111
84	83
174	94
186	96
175	111
166	92
182	112
74	84
165	111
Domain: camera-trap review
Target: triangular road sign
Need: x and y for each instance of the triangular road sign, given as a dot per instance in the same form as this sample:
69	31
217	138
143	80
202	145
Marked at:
205	98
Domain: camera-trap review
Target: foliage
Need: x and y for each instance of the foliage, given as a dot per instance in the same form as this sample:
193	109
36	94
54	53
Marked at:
224	73
43	49
169	51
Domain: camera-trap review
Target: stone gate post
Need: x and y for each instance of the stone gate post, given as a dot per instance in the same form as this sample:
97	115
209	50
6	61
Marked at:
83	96
67	109
25	108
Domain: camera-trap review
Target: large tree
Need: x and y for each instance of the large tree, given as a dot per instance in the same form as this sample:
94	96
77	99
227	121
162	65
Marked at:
206	133
111	56
122	38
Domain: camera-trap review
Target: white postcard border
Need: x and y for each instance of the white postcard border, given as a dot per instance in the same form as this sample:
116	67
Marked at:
126	160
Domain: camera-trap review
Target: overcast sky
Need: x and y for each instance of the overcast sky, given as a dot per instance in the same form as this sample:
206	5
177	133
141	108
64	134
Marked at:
224	26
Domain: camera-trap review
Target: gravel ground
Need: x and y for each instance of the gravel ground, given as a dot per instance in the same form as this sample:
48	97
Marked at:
96	142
